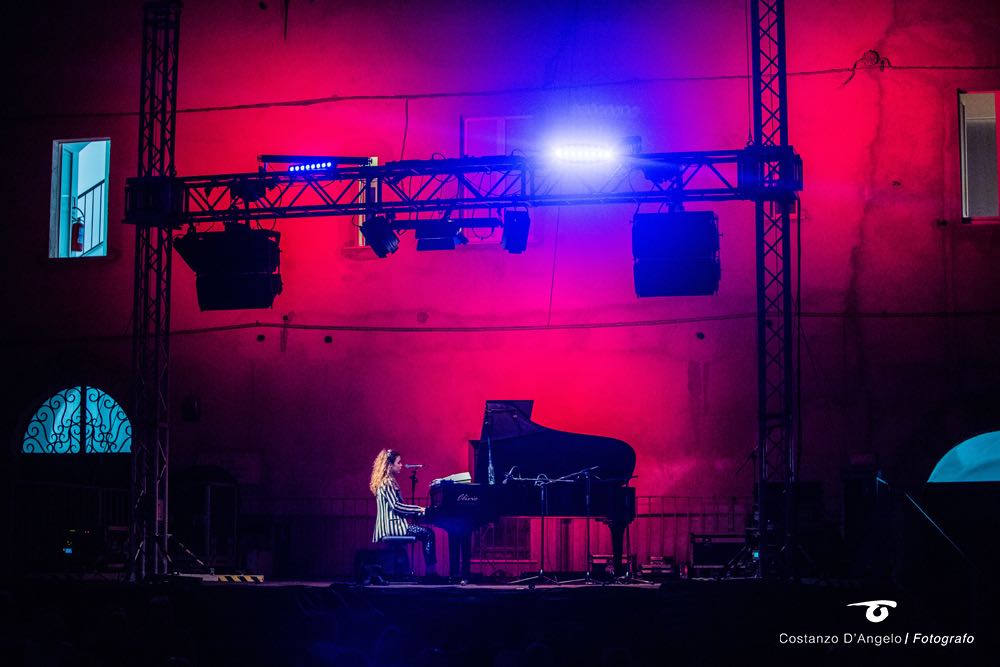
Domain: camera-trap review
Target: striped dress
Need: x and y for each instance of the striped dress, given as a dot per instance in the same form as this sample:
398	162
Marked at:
392	511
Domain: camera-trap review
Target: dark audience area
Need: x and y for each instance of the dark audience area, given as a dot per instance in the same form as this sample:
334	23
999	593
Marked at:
184	622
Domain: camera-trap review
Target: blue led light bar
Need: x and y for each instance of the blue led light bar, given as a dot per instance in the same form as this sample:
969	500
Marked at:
312	166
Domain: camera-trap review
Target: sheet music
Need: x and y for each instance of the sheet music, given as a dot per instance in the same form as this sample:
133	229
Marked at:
457	478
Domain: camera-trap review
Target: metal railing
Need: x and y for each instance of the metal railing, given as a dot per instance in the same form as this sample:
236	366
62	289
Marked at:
319	537
92	207
324	534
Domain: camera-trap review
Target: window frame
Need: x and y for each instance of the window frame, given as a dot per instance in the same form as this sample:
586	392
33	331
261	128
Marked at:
61	220
963	157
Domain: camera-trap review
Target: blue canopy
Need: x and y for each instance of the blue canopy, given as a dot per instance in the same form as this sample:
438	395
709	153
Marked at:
975	460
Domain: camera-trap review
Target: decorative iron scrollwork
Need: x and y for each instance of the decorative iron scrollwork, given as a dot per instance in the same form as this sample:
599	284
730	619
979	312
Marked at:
56	426
108	429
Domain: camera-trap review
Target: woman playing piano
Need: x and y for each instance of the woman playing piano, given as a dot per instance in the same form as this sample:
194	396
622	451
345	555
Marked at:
392	511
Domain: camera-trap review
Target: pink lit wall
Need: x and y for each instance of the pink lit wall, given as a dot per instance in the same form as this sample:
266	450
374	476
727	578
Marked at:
900	300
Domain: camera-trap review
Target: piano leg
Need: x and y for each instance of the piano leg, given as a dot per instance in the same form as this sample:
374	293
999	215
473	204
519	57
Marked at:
467	556
460	553
617	540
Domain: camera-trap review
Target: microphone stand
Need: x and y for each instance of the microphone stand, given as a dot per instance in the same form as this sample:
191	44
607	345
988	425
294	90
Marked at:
413	486
542	482
413	501
490	475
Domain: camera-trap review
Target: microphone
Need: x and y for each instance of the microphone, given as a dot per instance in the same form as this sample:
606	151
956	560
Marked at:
413	465
510	473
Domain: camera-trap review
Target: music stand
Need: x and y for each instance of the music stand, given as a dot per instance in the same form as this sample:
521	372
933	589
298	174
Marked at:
542	482
586	473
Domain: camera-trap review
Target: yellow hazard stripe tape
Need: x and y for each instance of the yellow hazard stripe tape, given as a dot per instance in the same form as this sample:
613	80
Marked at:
241	578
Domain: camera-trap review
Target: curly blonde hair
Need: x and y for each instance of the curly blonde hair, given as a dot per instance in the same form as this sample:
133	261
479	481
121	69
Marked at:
381	468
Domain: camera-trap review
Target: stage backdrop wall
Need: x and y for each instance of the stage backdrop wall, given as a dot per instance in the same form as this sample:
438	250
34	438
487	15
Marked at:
897	353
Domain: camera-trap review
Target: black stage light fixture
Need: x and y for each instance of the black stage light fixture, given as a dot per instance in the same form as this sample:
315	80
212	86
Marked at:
515	231
235	269
439	234
250	189
379	235
676	253
298	163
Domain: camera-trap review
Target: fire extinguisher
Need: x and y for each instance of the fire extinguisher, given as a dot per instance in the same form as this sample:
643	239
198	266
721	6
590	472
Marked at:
76	231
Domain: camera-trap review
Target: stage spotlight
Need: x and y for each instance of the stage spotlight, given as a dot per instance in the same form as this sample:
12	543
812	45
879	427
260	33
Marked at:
439	234
676	254
249	190
584	153
515	231
379	236
235	269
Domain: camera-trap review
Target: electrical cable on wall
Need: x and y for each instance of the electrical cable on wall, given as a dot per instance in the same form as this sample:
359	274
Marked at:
555	254
871	315
334	99
406	126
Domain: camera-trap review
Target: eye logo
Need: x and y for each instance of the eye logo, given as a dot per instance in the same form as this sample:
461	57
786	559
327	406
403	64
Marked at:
878	610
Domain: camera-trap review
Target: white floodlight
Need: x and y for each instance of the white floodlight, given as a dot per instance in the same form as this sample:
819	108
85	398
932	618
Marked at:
580	153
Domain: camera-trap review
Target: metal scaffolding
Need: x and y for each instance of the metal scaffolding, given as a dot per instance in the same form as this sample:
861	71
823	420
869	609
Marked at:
151	306
776	472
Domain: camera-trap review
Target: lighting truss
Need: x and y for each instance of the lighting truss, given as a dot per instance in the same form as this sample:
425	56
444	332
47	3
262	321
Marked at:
444	187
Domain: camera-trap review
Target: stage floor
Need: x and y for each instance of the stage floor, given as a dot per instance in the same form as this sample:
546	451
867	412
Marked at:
323	623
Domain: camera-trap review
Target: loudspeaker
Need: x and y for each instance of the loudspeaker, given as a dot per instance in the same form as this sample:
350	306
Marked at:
237	291
676	277
675	234
676	254
235	268
711	552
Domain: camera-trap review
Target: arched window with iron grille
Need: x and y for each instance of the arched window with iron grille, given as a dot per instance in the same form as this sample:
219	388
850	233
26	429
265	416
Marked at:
78	420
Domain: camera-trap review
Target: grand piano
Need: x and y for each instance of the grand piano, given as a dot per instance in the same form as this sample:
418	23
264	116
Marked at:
513	458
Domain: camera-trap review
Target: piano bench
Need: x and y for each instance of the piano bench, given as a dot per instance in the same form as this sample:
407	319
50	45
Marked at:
382	564
396	546
387	562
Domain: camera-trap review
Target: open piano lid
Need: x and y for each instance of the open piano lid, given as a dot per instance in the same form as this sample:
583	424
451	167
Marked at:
538	450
